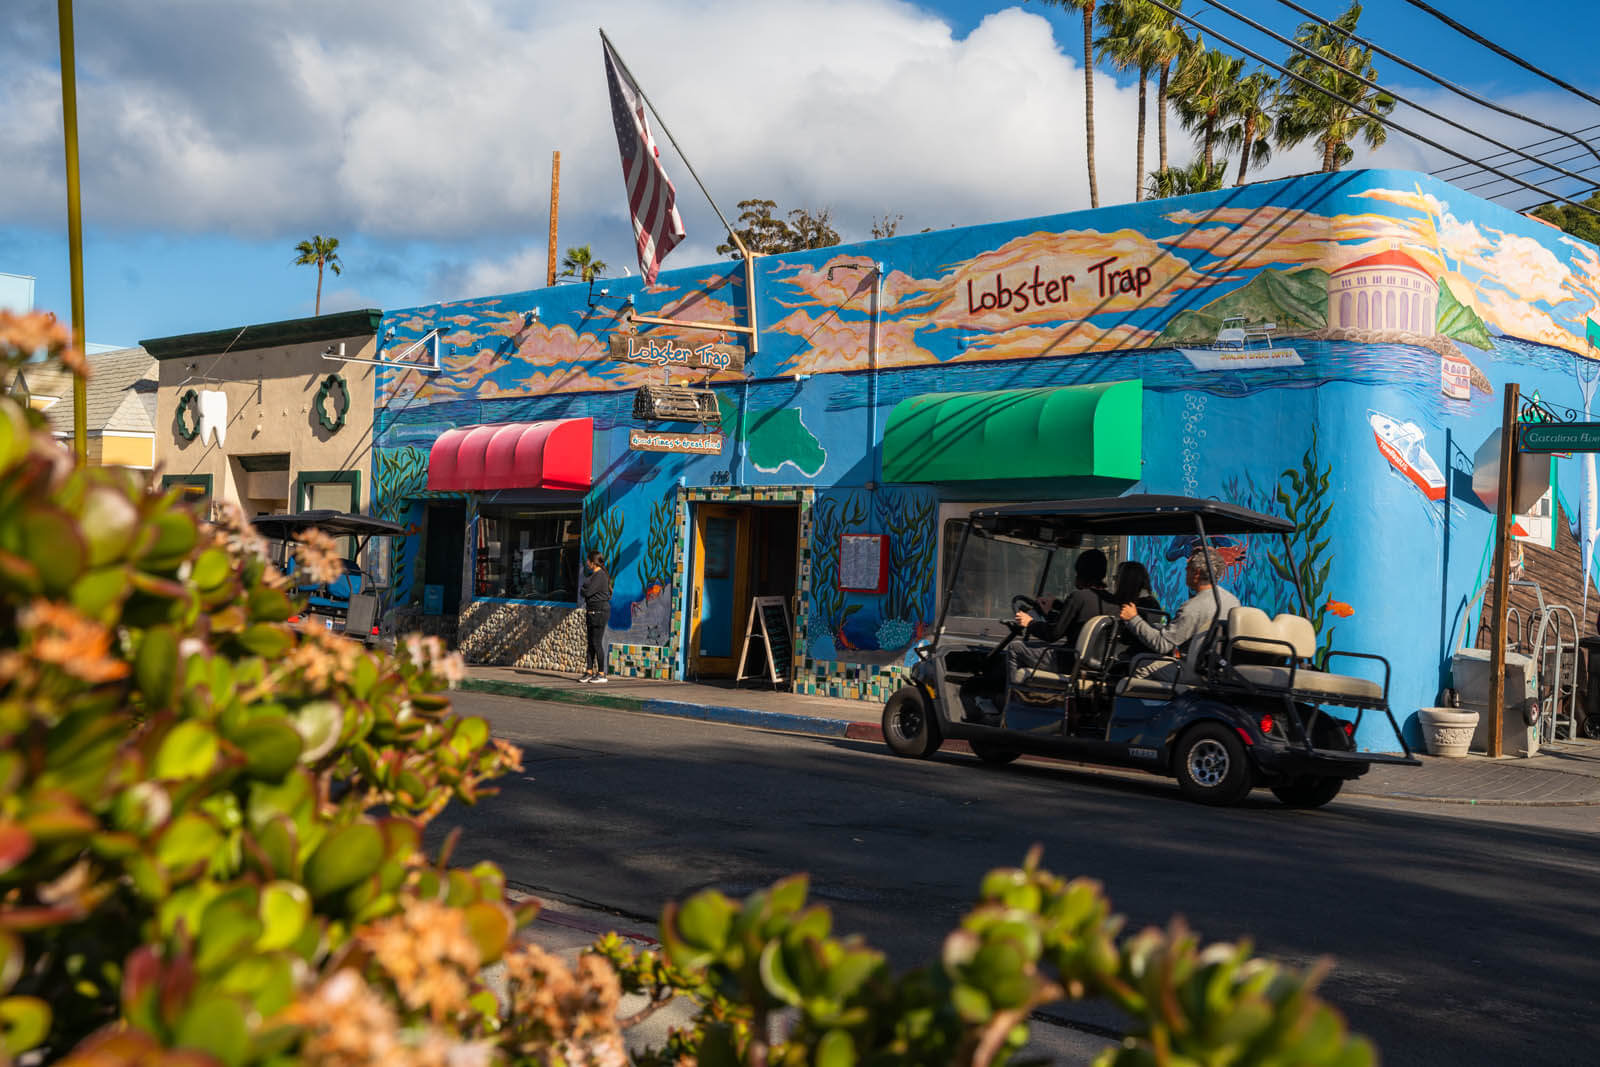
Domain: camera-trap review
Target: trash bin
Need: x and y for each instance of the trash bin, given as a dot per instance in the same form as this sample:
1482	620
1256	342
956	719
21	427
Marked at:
1589	708
1519	734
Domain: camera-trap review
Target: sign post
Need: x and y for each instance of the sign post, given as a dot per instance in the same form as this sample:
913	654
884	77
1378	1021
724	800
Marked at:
1502	567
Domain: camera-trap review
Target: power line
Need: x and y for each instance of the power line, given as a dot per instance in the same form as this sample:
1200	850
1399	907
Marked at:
1527	147
1369	83
1452	86
1586	171
1175	13
1497	50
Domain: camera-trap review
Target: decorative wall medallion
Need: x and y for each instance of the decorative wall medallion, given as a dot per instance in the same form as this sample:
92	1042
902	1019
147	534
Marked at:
333	383
189	415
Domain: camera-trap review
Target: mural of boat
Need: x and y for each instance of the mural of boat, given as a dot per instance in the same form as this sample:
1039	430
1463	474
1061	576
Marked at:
1240	346
1401	444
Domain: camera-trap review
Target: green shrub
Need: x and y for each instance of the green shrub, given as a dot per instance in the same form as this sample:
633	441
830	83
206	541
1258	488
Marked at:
210	827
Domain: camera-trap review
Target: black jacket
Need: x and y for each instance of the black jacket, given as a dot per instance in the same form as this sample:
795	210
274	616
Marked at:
1079	608
596	592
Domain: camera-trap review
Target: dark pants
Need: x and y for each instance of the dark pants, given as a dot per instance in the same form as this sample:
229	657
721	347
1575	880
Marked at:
595	660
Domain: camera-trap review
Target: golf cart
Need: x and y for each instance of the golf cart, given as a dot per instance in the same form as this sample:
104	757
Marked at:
1246	706
356	604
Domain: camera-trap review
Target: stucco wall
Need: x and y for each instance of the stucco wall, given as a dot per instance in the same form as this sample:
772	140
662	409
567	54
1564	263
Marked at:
117	450
271	395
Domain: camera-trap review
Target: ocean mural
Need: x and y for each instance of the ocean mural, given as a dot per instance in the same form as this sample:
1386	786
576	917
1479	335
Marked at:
1332	348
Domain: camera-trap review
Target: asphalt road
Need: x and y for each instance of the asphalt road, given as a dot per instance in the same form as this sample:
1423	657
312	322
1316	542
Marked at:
1459	936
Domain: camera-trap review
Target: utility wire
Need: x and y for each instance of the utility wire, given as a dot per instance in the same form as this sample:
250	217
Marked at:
1175	13
1527	147
1484	184
1369	83
1497	50
1452	86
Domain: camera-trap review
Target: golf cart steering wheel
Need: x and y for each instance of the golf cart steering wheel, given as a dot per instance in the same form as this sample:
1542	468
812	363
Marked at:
1028	604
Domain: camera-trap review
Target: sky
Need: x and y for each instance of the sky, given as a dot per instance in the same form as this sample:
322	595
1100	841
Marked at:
216	134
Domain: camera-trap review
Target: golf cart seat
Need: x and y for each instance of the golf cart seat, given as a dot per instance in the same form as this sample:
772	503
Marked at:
1271	654
1089	654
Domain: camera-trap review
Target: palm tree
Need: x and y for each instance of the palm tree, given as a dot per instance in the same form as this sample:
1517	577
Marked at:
1088	8
1125	49
1250	112
324	252
1203	86
579	263
1198	177
1166	41
1305	113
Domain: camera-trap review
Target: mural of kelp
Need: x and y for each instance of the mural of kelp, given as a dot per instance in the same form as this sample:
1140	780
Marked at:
911	521
1305	501
399	474
830	608
655	566
602	527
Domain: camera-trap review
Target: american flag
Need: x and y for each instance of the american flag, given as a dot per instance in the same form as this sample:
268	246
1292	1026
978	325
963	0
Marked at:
657	226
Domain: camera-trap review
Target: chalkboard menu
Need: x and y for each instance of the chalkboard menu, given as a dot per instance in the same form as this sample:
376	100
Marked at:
863	563
768	624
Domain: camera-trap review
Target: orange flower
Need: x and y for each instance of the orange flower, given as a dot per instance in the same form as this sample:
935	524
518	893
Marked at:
79	646
1340	608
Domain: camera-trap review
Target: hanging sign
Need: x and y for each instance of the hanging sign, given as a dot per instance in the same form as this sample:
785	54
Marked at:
697	444
632	348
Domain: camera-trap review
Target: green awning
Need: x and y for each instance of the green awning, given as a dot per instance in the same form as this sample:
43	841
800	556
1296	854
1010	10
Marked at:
1090	434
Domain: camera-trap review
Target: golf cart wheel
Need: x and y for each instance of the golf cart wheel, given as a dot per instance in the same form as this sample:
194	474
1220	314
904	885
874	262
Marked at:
1308	792
994	755
1211	765
908	726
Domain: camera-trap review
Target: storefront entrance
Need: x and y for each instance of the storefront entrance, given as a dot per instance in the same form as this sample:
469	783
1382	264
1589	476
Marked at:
741	551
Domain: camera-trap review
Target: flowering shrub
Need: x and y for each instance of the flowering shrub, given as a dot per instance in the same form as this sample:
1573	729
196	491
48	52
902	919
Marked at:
210	828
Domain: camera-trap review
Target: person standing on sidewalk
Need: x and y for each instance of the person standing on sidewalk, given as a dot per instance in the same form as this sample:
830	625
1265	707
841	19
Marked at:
596	593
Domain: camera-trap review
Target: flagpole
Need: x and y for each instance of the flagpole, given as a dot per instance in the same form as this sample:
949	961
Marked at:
744	252
69	129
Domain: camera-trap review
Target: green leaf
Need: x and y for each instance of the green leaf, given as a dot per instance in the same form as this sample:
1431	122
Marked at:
277	840
265	639
98	593
25	1022
319	723
15	437
189	840
155	666
345	857
704	918
228	926
490	927
188	751
271	746
52	543
836	1050
176	535
109	522
211	569
285	910
215	1023
775	977
267	980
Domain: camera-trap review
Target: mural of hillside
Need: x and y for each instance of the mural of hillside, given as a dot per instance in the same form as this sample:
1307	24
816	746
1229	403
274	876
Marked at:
1460	323
1297	301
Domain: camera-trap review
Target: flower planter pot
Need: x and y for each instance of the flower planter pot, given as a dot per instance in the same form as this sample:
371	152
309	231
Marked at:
1447	731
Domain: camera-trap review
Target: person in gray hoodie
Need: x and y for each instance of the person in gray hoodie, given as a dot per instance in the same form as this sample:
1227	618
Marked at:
1184	636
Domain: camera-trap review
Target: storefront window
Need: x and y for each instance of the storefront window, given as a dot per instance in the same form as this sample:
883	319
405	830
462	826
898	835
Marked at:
528	553
994	571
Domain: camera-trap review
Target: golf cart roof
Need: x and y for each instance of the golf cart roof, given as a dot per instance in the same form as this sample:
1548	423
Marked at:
1051	520
333	523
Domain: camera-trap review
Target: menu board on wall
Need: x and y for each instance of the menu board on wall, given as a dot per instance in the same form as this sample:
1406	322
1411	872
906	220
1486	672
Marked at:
863	563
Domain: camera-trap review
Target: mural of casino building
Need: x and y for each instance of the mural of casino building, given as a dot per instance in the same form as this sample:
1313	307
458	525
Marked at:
816	469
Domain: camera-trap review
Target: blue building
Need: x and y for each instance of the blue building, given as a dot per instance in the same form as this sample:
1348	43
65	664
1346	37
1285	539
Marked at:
1331	347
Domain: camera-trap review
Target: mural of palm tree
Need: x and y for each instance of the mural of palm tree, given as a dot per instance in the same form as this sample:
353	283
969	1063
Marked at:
580	263
1166	41
1250	112
1087	7
1123	47
1202	90
1304	113
324	252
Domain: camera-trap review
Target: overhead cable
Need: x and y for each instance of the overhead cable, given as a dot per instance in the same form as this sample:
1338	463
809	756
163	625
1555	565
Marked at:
1452	86
1587	171
1526	148
1175	13
1497	50
1369	83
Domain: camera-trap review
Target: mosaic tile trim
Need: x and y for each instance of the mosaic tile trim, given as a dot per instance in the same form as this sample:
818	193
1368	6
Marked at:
640	661
851	681
804	496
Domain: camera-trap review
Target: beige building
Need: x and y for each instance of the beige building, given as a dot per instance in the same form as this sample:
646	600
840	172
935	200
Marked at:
269	416
120	401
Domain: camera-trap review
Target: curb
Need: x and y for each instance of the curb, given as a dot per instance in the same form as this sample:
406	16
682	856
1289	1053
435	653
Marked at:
869	731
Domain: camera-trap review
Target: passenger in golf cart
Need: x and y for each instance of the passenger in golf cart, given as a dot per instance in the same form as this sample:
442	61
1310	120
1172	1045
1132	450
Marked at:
1245	705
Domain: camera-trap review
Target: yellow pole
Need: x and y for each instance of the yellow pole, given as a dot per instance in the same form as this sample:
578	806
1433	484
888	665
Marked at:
69	122
555	211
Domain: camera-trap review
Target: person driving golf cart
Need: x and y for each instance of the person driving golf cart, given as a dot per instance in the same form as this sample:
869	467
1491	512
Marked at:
1058	630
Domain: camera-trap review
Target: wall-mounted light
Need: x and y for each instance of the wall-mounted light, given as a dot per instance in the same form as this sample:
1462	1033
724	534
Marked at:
530	317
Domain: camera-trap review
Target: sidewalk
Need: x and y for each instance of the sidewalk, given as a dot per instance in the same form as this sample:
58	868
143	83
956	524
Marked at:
1567	774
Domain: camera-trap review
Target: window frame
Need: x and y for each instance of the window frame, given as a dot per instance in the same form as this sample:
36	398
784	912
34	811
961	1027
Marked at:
502	512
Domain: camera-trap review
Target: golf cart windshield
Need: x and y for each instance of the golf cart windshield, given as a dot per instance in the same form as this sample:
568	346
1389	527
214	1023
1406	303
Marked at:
996	568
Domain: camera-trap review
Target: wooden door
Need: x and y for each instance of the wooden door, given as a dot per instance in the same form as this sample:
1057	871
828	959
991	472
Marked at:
720	602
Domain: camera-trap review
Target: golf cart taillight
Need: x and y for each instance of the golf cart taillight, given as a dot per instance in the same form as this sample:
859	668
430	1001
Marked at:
374	631
294	618
1266	724
1349	729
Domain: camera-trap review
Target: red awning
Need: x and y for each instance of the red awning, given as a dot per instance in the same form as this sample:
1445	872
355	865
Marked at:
558	454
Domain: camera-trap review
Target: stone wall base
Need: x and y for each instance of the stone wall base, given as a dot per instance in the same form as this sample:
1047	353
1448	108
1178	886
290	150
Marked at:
545	637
